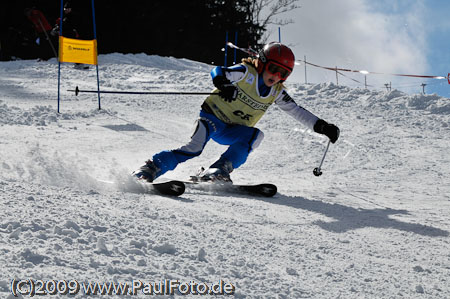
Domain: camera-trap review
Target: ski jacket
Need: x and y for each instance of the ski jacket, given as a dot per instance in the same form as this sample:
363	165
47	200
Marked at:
254	98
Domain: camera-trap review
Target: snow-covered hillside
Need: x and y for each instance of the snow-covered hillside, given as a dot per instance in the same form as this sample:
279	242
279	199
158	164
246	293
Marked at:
376	224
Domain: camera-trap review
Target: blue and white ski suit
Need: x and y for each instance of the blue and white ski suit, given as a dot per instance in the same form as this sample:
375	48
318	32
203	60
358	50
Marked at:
231	123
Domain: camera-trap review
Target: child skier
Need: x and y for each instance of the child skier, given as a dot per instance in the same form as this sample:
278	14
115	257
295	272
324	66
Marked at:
243	94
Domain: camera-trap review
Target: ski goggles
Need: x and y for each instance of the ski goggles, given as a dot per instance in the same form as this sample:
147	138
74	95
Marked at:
274	68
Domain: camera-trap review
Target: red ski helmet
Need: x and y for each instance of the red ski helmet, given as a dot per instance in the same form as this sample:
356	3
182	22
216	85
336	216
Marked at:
278	54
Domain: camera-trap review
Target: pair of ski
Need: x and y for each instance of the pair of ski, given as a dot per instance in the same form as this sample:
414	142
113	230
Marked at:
177	188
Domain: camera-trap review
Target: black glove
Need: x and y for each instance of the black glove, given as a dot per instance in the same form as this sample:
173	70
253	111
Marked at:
227	90
329	130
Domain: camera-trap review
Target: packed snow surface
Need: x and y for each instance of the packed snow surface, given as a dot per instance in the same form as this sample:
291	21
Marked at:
375	225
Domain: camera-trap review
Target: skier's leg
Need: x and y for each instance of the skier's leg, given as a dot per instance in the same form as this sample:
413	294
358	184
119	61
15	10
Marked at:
243	140
168	160
238	152
207	126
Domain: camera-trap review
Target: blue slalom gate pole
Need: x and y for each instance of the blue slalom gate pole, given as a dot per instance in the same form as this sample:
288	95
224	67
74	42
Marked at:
279	34
59	62
59	78
96	66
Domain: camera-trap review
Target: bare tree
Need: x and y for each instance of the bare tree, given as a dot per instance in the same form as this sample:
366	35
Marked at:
264	12
267	12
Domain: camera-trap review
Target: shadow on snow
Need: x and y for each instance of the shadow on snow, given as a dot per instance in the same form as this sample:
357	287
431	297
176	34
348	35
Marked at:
348	218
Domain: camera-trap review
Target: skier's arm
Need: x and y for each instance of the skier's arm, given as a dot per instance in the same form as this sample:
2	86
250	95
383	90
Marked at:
223	78
232	74
288	105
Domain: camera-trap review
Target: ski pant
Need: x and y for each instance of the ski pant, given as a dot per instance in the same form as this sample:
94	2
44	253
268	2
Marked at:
241	140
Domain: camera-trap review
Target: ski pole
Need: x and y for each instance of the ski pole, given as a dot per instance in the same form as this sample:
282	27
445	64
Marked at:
77	91
249	51
317	171
48	39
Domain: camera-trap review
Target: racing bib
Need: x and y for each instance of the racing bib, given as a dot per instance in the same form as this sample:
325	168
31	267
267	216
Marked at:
249	106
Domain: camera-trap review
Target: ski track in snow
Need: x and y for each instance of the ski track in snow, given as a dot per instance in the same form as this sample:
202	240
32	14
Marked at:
374	225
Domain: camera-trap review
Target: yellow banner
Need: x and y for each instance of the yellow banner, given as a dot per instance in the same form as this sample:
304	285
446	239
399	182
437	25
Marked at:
77	50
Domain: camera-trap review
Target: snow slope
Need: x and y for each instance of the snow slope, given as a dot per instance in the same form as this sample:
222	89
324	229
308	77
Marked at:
374	225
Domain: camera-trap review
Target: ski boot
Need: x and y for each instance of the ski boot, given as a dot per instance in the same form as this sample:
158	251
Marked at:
217	172
147	172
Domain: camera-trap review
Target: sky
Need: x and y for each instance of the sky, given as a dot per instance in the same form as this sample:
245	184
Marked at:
391	37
